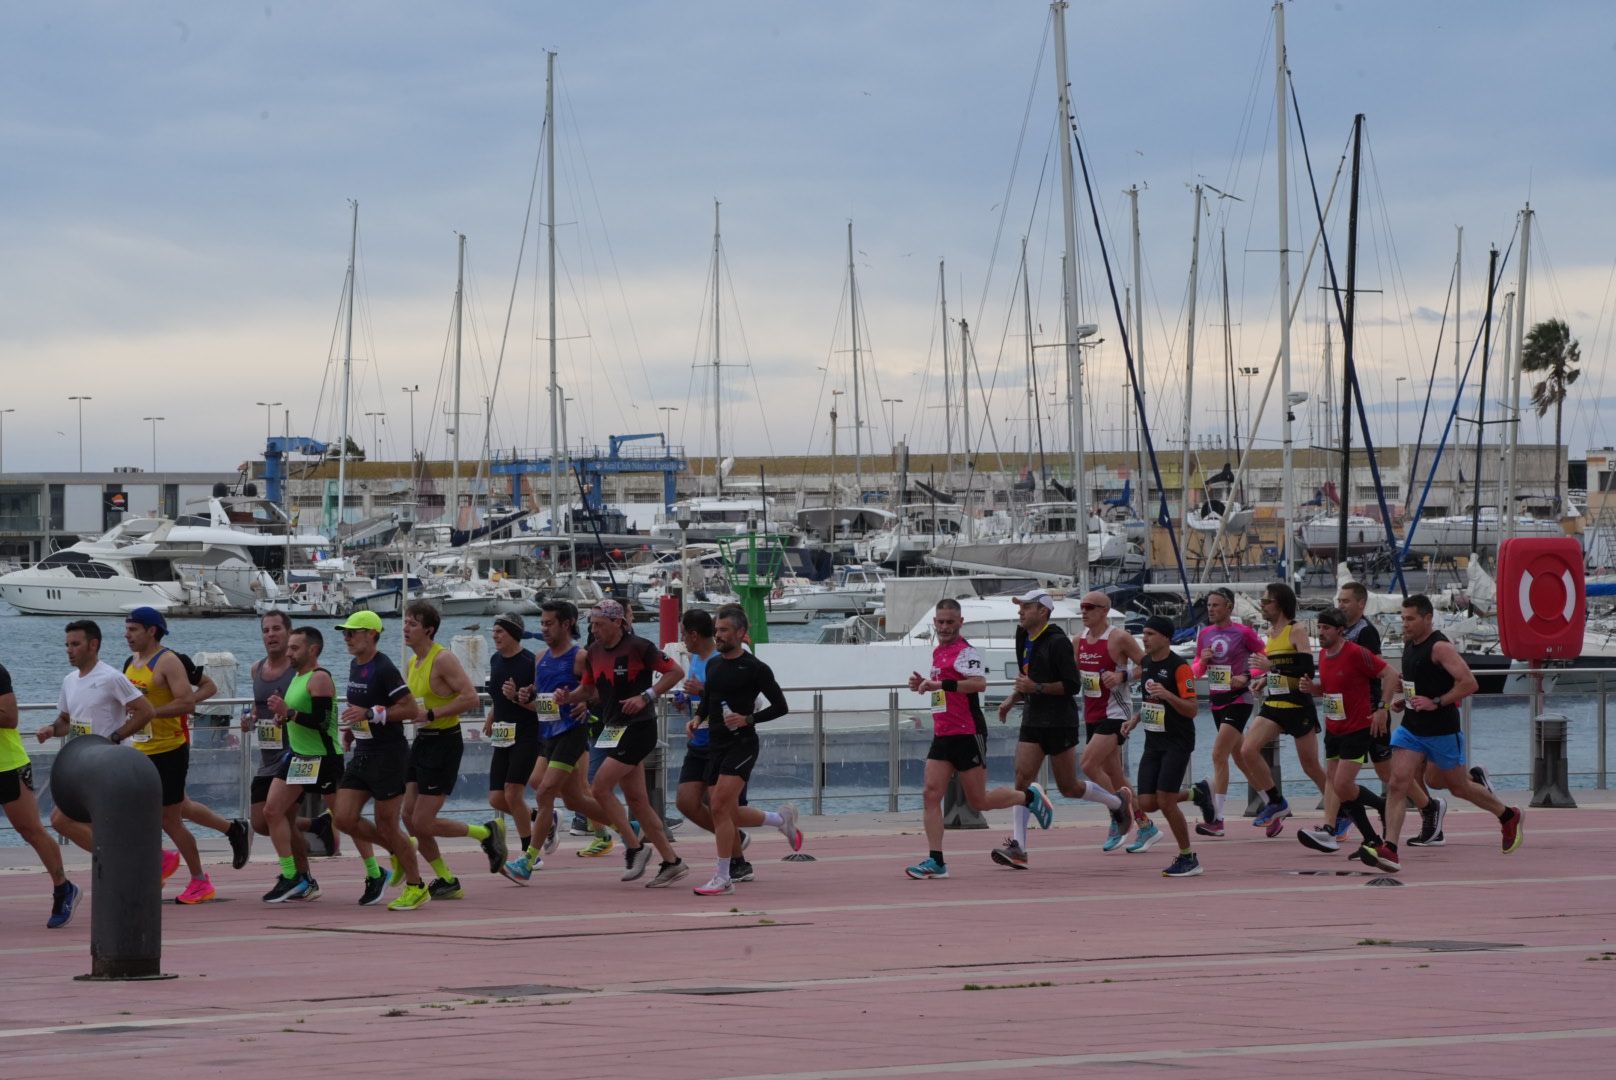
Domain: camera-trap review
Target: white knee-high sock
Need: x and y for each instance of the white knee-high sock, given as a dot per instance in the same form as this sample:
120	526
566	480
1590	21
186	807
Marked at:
1021	816
1095	793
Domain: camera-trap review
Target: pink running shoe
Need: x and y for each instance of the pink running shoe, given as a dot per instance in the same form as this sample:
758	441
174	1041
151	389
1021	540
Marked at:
199	891
171	863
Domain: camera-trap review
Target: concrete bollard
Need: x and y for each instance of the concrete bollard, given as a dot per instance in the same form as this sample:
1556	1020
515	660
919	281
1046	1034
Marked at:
1550	772
115	789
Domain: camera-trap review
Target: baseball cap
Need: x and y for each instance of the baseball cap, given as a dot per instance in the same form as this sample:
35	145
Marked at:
1037	596
362	620
1161	624
511	623
1333	617
609	609
148	616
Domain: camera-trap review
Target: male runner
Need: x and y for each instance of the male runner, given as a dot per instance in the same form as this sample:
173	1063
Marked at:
271	675
379	704
512	731
1104	656
1047	680
22	810
616	671
1435	679
729	703
96	699
1352	598
1168	717
307	715
562	731
956	681
1348	673
1285	709
439	682
1223	652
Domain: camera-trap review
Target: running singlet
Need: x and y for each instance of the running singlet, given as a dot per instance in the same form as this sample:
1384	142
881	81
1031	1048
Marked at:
1232	647
270	735
1290	663
419	680
1429	679
696	668
954	713
1347	678
12	755
554	673
519	669
620	672
317	737
1093	660
164	733
376	684
1158	719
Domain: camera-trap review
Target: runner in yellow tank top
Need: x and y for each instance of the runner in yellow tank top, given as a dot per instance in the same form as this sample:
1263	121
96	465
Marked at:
437	679
1285	711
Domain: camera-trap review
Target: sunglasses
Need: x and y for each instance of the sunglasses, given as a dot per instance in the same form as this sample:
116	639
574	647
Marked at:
349	633
1091	607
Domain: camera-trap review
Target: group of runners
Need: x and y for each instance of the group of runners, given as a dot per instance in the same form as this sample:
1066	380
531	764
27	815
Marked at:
1359	694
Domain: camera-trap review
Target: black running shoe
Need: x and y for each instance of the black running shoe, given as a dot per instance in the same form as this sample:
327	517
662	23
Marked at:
440	889
375	890
1201	796
740	870
284	889
240	836
494	846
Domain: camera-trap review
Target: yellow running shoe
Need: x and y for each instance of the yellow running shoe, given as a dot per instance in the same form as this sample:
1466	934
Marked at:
396	878
597	847
412	897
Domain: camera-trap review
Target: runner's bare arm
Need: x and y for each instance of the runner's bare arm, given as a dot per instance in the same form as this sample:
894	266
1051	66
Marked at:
449	677
171	673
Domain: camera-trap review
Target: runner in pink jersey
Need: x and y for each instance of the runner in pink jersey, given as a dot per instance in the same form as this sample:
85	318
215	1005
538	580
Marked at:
1108	659
958	677
1223	652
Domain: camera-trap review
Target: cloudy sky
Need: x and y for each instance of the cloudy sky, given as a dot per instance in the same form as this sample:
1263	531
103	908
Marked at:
178	176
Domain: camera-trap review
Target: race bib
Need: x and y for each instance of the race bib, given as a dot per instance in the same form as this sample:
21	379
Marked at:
361	729
1335	708
142	736
1410	693
610	736
939	701
78	727
504	734
545	705
1091	684
1153	716
1220	677
302	770
1278	684
269	735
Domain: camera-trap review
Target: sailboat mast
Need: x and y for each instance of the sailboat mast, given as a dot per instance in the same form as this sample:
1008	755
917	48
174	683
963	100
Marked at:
1231	414
1481	398
1189	360
1348	337
555	388
965	418
1074	354
1032	378
1137	370
718	398
1458	306
1288	475
459	307
1508	509
347	377
948	374
858	407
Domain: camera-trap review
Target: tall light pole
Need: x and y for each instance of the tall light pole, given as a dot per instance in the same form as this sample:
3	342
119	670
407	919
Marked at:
154	420
667	419
412	391
269	418
892	418
375	435
81	399
3	438
1250	373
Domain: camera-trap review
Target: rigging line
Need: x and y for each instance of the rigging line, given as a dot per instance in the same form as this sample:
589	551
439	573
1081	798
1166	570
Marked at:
746	347
1430	385
1407	327
521	253
1127	349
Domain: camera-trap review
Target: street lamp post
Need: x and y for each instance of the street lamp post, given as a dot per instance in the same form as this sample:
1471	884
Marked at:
154	420
3	438
1250	373
375	434
269	418
667	418
81	399
892	418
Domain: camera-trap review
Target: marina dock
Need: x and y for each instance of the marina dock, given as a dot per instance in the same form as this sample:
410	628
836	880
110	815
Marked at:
1276	961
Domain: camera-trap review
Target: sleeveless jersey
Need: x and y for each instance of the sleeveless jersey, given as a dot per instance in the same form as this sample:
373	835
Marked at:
1429	679
550	674
310	741
1288	652
269	758
954	713
1093	660
167	732
419	679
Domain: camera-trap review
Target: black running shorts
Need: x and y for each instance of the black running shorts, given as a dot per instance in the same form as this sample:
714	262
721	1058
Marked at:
13	782
1163	764
435	760
1109	726
1351	746
1234	715
172	768
325	783
379	772
732	759
1051	740
964	752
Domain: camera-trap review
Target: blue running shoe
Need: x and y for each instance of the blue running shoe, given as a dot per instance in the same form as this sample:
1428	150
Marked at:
1114	837
1266	814
64	902
519	869
1343	825
1039	806
930	868
1276	820
1183	866
1144	839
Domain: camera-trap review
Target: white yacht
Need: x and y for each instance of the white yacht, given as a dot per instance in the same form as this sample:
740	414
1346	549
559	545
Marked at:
1320	535
1044	542
1449	536
917	529
853	590
711	517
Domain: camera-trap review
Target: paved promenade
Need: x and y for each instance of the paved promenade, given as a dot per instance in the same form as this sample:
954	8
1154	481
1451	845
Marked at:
1276	962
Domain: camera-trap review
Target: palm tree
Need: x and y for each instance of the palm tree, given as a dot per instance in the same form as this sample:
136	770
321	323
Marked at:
1551	352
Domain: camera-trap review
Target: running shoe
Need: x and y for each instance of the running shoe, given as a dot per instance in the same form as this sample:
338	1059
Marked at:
1381	856
579	826
673	824
553	838
928	868
311	890
1266	814
494	846
64	901
746	839
413	896
1272	817
240	836
667	873
284	889
1039	806
1184	866
323	829
1512	824
1431	819
1201	796
1343	825
1319	839
520	869
171	863
396	877
375	890
1209	828
600	845
1011	854
1121	822
439	889
635	860
1478	774
1145	839
788	827
716	887
199	891
740	870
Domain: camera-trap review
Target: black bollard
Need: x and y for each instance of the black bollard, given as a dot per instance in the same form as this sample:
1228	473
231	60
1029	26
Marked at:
115	789
957	813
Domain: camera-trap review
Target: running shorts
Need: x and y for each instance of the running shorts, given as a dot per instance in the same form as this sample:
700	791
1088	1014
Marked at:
434	763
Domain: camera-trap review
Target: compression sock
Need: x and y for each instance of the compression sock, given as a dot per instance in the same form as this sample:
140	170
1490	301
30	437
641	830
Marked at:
477	832
1372	800
1020	830
288	867
1360	817
441	868
937	857
772	819
372	867
1095	793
